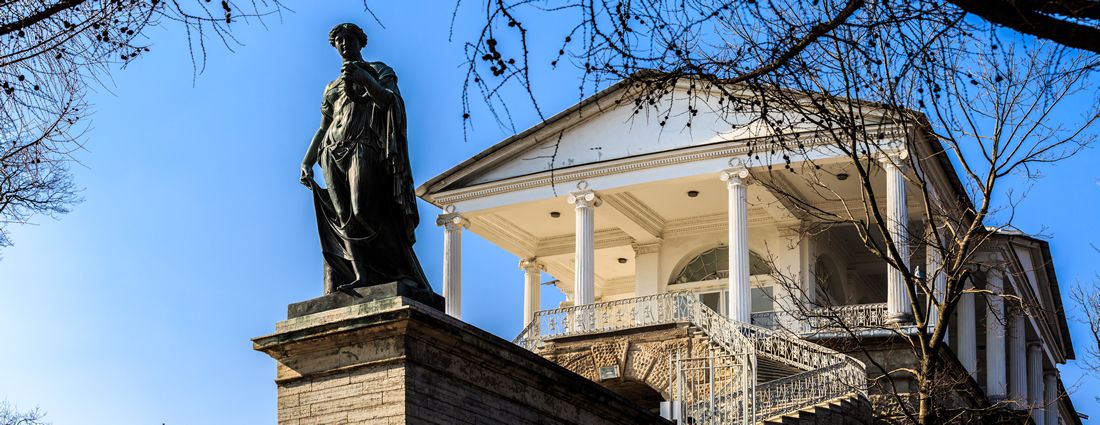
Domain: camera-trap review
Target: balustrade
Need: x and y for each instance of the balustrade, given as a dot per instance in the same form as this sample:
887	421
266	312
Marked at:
705	393
856	318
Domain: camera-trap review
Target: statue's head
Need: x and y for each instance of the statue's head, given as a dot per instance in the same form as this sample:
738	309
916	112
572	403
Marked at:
348	39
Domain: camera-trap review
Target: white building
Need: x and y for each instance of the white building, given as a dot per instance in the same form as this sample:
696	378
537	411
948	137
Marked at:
629	212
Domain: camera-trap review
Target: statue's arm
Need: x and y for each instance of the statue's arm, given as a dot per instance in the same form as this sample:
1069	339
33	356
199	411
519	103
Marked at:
378	89
311	152
382	95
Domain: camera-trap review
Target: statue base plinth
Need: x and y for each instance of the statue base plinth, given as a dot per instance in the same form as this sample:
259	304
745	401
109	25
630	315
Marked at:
366	294
397	361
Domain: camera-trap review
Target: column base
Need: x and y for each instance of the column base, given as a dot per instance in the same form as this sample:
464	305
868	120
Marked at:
899	319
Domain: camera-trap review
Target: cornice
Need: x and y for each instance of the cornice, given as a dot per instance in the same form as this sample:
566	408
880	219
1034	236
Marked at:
625	165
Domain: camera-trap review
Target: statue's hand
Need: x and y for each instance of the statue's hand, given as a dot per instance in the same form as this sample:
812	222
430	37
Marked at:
355	74
307	175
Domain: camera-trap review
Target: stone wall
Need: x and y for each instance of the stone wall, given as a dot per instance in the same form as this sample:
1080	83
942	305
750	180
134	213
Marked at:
396	361
374	394
640	355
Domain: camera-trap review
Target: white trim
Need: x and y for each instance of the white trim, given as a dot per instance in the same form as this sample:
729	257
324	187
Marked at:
721	150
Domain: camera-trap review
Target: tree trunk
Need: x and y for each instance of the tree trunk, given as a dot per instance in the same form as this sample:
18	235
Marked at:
926	382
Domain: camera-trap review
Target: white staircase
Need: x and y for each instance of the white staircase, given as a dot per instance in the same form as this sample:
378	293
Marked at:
720	387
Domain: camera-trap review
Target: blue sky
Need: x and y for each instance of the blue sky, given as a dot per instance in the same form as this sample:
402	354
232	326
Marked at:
139	305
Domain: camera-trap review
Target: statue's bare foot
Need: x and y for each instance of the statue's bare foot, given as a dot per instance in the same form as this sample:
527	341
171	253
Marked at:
349	288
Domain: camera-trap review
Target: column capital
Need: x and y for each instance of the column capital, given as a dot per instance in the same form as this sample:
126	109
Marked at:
643	248
584	198
531	265
452	221
735	176
794	231
895	157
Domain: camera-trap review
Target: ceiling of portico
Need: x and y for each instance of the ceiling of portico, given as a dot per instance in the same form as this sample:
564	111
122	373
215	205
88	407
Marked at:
636	210
645	212
534	217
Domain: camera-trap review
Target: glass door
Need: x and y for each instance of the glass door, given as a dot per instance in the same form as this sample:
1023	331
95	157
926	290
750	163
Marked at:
716	300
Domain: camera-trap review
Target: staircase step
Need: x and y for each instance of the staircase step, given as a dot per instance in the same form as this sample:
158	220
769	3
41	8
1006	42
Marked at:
846	410
770	370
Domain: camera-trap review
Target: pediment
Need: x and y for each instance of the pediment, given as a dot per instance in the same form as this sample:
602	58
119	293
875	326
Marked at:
602	128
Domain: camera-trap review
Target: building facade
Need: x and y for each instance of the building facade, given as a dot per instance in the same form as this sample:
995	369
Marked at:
697	284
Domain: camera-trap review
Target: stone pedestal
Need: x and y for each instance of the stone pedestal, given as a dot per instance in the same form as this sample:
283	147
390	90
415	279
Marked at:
396	360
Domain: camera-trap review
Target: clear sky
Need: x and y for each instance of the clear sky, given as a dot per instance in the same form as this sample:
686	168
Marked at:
139	305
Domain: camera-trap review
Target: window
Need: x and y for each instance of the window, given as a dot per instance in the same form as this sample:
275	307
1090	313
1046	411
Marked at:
714	264
761	300
714	301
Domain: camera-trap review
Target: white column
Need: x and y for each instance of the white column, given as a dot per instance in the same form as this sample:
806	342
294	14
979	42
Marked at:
453	224
584	290
899	309
647	258
966	329
995	381
1051	398
789	297
1017	362
739	290
934	271
532	281
1035	381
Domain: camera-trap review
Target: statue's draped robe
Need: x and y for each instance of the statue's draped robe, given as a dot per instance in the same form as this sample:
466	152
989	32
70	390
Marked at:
367	213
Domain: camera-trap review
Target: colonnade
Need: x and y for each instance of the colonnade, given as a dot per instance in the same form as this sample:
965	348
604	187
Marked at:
1018	378
1021	380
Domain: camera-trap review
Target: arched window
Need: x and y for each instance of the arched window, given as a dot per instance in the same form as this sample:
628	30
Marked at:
714	264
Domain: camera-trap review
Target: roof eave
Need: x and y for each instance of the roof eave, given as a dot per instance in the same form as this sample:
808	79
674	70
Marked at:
433	185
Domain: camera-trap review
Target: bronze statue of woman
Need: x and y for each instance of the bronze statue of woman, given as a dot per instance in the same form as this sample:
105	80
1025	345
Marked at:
366	216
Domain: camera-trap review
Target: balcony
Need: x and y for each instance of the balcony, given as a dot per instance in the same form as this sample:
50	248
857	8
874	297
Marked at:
838	321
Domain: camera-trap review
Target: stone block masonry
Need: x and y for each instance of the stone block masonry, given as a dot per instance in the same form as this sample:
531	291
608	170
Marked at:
396	361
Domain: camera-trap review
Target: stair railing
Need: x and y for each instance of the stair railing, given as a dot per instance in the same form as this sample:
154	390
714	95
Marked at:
809	388
828	374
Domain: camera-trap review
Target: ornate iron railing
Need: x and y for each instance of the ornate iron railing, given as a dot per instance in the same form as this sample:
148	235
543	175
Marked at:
806	389
633	313
711	390
828	374
767	319
855	317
